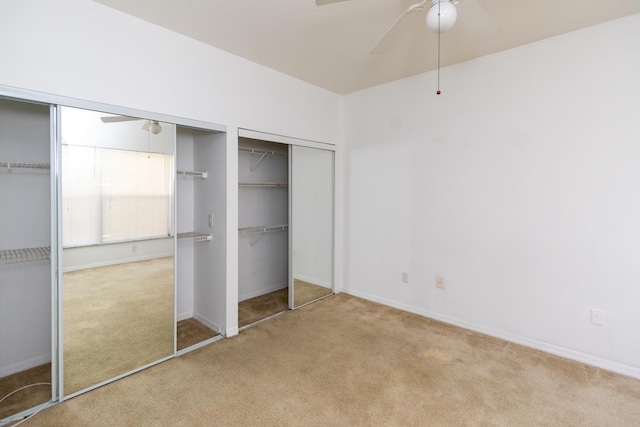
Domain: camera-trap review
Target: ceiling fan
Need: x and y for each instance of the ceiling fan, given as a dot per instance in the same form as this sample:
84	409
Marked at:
441	17
152	126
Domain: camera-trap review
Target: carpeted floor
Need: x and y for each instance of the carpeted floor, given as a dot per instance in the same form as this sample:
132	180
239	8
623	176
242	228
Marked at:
191	332
116	318
344	361
28	397
305	292
260	307
263	306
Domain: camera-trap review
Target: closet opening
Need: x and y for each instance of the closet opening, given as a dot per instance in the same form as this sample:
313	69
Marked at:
26	286
263	221
201	215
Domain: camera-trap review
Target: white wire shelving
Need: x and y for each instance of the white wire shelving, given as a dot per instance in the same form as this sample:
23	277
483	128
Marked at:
194	174
195	236
262	153
20	165
263	184
12	256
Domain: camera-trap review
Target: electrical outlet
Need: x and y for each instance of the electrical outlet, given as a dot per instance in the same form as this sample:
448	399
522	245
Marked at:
597	317
134	248
210	220
440	282
404	277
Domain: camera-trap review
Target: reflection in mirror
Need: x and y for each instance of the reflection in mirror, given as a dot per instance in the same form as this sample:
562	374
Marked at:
117	236
312	224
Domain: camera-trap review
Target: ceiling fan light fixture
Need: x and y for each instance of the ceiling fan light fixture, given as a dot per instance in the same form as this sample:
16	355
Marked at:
448	16
155	127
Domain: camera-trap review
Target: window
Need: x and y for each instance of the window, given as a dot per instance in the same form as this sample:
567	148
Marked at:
114	195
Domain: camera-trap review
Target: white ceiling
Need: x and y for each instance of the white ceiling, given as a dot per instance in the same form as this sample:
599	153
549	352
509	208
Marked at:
329	45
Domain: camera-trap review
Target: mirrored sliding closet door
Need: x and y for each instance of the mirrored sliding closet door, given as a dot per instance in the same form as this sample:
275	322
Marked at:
312	184
117	204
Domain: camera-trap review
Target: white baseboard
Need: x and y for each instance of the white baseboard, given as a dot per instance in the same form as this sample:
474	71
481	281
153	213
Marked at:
208	323
184	316
254	294
24	365
313	281
567	353
115	262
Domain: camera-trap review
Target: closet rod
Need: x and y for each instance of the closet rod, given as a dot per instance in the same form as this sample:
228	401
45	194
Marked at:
16	165
263	184
259	151
249	230
11	256
264	153
202	175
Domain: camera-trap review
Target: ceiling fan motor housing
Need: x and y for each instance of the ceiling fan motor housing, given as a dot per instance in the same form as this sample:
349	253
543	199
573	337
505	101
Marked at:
441	16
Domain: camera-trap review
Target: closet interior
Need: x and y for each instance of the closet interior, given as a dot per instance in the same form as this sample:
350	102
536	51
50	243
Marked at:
263	220
25	250
201	245
114	241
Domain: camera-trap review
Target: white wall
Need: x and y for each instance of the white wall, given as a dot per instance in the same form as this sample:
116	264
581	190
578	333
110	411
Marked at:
82	49
519	185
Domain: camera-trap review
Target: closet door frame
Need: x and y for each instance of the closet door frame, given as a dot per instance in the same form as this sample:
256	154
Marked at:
290	141
54	102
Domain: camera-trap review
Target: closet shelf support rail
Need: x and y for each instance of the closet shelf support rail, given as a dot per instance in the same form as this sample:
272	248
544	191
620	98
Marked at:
263	184
259	151
202	175
195	236
17	165
12	256
261	230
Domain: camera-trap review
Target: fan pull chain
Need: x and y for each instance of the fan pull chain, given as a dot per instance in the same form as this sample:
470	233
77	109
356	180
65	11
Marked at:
438	91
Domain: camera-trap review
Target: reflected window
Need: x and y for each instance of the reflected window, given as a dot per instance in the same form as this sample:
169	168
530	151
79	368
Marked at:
112	195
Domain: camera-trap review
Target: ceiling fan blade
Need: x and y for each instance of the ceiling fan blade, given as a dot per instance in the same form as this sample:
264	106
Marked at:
396	28
323	2
114	119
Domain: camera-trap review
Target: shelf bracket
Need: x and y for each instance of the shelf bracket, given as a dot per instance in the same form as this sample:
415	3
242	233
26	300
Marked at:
258	238
258	162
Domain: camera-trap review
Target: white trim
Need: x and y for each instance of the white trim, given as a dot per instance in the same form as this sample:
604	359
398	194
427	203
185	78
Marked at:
254	294
231	332
23	365
184	316
206	322
313	281
47	98
198	345
271	137
119	261
567	353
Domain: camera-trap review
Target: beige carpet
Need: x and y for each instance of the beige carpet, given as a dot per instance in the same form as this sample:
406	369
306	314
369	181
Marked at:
29	397
344	361
263	306
116	318
191	332
305	292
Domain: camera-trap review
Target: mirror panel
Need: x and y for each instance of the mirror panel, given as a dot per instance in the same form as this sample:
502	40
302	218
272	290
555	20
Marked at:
117	187
312	172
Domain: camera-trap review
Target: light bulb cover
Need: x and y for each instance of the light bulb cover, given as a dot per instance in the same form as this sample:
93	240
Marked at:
448	16
155	127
